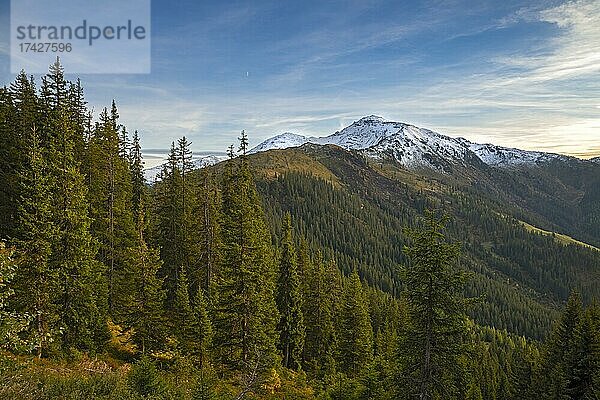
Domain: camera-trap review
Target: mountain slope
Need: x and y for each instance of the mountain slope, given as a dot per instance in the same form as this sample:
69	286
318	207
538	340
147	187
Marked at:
556	192
359	221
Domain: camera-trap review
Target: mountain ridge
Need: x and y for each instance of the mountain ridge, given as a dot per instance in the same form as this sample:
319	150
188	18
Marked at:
414	147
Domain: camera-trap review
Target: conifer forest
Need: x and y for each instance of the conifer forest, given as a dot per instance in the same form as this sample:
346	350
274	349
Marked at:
304	273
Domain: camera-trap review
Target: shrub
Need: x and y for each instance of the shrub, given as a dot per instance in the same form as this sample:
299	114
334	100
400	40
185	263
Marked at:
144	378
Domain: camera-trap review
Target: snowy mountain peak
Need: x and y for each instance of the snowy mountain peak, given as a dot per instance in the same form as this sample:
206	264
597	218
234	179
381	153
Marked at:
362	134
373	118
282	141
412	146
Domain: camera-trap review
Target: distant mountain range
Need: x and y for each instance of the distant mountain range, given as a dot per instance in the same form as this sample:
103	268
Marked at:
413	147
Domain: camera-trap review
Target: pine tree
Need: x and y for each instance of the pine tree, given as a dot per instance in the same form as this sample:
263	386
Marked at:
584	361
356	333
81	292
36	282
138	180
142	307
246	312
169	225
553	378
186	202
201	329
182	316
111	197
204	239
19	114
430	349
289	301
319	314
81	121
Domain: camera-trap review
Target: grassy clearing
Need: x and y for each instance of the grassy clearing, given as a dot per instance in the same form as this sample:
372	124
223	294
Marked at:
559	237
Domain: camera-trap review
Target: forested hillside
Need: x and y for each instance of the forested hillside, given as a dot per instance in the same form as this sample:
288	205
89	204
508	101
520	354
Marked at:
300	274
356	211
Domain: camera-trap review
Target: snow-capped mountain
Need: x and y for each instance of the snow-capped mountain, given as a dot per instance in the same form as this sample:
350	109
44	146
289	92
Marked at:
364	133
283	141
152	174
505	156
412	146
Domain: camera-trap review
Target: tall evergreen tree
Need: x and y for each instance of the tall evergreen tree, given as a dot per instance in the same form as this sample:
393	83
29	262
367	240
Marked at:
81	121
319	314
289	301
142	305
246	313
19	114
170	225
584	360
186	199
138	180
182	316
111	198
205	237
567	367
72	256
201	328
36	282
356	333
430	349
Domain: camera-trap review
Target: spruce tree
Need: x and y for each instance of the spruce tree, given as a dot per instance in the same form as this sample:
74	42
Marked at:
431	347
170	225
289	301
19	114
246	313
186	200
570	362
554	374
81	288
202	332
584	360
204	238
111	198
182	316
36	282
356	333
142	306
138	180
319	314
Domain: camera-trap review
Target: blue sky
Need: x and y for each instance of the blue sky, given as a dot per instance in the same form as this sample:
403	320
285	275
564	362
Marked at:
515	73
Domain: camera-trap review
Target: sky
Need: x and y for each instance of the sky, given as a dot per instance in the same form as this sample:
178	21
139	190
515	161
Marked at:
522	74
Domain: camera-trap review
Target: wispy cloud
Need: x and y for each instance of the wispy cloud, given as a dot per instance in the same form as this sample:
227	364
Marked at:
538	89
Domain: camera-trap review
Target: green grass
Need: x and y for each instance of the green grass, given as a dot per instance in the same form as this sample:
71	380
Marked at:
559	237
